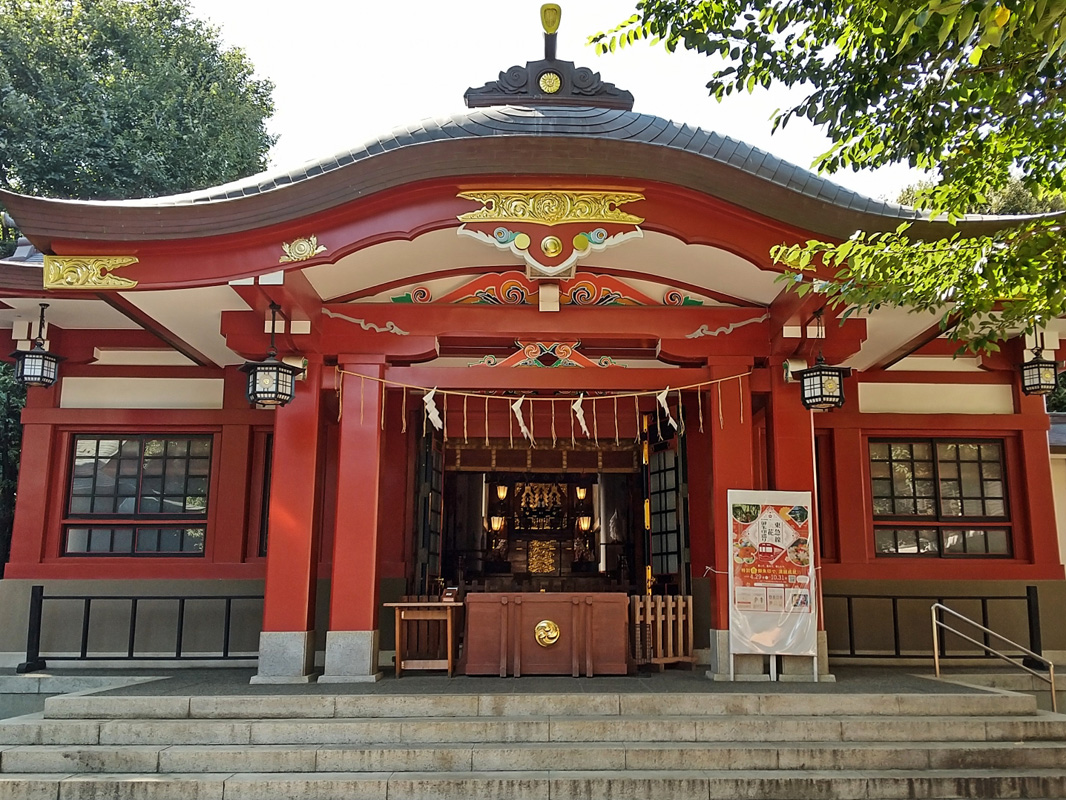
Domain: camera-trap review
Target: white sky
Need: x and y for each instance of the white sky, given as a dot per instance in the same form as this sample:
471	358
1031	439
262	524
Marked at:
350	70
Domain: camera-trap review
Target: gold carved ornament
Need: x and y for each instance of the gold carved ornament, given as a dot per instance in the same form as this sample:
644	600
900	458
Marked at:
86	272
301	249
550	207
541	557
546	633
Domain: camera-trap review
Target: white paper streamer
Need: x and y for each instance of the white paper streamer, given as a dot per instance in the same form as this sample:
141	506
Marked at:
432	412
579	412
516	407
661	399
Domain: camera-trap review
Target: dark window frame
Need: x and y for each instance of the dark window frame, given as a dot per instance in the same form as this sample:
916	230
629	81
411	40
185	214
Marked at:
942	522
134	471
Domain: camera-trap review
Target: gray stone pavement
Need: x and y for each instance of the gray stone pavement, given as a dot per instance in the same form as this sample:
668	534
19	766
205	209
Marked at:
206	682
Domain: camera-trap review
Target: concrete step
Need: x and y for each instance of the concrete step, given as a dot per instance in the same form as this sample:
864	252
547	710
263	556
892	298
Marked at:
610	756
540	785
95	706
34	729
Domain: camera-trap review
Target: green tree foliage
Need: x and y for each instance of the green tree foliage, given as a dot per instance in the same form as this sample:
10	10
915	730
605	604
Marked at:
12	398
104	99
974	89
1012	198
111	98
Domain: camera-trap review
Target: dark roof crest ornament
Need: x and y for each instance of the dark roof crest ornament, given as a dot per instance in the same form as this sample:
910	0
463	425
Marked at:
549	82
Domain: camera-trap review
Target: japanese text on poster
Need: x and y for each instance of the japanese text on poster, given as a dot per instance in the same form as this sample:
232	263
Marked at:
771	575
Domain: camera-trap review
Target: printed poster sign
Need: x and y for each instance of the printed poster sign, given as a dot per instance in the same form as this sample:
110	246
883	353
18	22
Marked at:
771	576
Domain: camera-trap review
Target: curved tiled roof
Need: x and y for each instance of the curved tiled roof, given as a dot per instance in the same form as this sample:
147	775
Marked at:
581	141
600	123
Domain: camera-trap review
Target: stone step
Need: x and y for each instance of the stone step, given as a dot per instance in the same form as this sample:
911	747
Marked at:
34	729
540	785
529	756
96	706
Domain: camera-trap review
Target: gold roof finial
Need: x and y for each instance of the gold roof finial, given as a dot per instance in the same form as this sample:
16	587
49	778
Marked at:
550	14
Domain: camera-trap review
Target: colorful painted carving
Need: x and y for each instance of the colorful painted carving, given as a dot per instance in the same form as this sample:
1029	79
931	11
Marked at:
546	355
515	289
550	230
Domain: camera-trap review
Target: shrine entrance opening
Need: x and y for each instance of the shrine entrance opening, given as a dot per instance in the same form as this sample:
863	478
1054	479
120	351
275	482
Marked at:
499	515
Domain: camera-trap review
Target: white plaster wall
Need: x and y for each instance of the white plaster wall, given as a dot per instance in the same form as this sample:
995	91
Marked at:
141	393
1058	487
935	398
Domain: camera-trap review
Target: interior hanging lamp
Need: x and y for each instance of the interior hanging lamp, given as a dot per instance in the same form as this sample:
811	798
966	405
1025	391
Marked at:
36	366
271	382
1040	376
821	386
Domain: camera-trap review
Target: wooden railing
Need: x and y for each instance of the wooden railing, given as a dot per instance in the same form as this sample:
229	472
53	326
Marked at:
660	630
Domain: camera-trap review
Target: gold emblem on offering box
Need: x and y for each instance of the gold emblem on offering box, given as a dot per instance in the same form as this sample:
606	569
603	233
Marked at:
542	556
546	633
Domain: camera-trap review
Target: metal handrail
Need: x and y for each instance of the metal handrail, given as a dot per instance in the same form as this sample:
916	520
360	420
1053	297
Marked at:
937	624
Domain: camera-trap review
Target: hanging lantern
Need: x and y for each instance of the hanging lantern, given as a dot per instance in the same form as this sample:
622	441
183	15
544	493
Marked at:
501	491
271	382
1039	375
584	523
581	492
36	366
497	524
822	386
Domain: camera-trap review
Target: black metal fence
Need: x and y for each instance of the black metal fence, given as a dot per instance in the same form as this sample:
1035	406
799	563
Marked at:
916	622
36	661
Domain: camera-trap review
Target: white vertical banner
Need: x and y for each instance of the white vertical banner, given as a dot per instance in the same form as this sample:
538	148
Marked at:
772	591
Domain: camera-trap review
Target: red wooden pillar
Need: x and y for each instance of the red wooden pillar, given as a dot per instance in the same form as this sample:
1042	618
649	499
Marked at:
352	639
42	467
287	643
1038	498
732	467
851	467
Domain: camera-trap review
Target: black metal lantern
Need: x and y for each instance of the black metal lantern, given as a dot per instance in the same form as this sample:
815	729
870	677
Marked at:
821	386
271	382
36	366
1039	375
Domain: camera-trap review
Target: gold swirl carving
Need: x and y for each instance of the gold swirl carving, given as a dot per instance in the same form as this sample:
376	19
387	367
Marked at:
301	249
550	207
541	556
86	272
546	633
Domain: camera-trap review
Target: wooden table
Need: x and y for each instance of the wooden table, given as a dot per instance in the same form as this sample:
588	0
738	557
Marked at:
417	611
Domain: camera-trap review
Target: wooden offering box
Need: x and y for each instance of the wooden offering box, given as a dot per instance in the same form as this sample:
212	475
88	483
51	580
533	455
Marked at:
559	633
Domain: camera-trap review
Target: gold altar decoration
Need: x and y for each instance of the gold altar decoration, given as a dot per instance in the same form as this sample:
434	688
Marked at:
550	206
542	556
546	633
301	249
86	272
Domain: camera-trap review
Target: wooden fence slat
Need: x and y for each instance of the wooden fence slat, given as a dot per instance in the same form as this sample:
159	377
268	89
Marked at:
660	629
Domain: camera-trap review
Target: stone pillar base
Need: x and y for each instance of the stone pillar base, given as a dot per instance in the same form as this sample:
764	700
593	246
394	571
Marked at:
351	657
285	657
753	667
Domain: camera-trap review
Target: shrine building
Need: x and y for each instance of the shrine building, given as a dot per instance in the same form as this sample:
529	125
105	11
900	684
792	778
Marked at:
517	356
